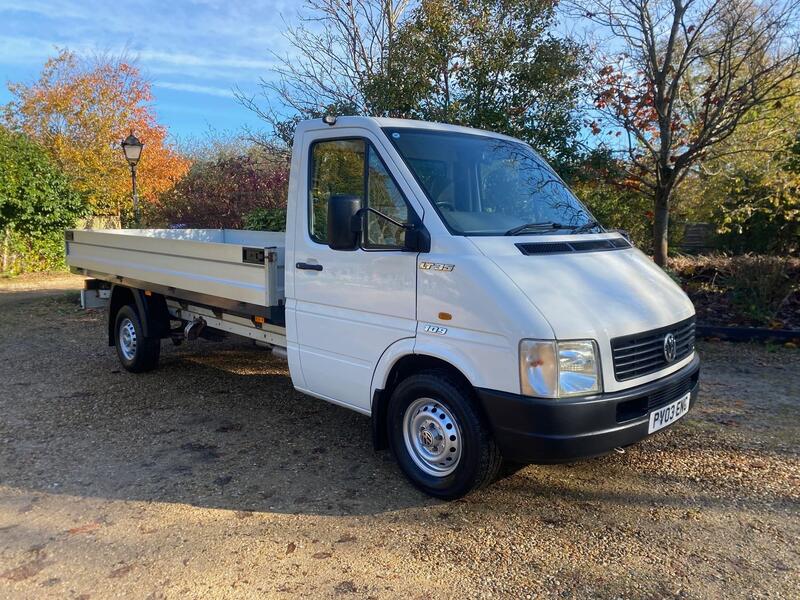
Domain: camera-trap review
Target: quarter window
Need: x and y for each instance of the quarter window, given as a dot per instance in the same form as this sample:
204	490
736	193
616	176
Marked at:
384	196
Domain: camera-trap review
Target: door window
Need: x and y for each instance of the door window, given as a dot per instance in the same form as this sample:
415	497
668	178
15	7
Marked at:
353	167
337	167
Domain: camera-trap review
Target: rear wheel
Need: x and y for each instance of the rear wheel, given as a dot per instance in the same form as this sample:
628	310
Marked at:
438	436
136	352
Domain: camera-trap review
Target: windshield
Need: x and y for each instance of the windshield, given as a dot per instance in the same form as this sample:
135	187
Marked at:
489	186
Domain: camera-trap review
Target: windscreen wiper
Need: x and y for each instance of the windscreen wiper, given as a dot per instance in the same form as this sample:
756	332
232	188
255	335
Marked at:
540	226
587	226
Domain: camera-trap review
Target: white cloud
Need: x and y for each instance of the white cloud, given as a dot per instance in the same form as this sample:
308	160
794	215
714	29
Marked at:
196	38
195	89
17	50
200	49
183	59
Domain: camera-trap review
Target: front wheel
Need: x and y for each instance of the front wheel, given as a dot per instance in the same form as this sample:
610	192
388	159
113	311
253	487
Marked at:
136	352
439	437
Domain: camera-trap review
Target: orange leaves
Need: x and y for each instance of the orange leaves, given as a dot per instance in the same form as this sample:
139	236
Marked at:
79	111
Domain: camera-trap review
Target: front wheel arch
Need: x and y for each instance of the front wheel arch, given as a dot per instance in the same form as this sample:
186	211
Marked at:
403	368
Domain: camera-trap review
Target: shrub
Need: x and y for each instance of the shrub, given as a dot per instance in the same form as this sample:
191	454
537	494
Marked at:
748	289
221	191
37	202
266	219
760	284
34	253
599	181
618	208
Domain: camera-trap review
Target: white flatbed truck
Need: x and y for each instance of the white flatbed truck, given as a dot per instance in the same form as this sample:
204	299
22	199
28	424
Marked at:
443	281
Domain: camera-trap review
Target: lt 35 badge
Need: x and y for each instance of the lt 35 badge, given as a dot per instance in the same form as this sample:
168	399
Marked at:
431	266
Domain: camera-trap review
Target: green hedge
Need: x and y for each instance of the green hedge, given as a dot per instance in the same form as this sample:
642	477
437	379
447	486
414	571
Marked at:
37	202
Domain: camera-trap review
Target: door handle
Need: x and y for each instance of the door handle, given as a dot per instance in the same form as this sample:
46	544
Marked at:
308	266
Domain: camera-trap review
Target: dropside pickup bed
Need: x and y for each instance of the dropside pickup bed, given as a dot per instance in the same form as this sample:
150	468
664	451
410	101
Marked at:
232	279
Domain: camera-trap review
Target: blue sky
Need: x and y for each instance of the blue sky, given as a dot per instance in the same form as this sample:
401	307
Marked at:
194	52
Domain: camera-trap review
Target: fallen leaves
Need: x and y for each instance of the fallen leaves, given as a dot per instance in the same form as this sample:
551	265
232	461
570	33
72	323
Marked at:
86	528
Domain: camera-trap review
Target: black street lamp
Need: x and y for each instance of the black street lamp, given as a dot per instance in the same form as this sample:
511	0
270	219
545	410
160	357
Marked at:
132	148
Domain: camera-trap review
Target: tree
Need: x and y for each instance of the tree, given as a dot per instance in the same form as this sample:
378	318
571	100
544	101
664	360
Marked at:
683	75
36	198
490	64
337	48
750	187
600	181
79	110
483	63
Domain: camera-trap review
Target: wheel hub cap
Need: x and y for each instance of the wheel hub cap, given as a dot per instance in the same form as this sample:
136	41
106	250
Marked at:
127	339
432	436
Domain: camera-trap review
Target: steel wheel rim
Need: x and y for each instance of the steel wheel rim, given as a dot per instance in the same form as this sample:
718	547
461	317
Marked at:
432	437
127	339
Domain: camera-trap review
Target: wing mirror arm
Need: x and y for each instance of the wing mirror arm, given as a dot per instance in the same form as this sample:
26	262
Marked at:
417	237
358	219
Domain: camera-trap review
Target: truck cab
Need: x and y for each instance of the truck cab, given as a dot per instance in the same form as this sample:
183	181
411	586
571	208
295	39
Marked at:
447	283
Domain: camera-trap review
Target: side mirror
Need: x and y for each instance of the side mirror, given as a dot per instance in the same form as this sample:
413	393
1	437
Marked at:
418	239
341	211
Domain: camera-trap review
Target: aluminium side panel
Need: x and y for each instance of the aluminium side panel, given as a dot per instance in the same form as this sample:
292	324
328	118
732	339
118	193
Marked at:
200	261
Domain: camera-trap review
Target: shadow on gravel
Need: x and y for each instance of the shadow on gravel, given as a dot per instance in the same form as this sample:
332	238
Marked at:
219	425
8	296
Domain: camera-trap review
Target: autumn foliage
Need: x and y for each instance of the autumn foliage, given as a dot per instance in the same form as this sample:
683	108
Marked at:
79	110
224	190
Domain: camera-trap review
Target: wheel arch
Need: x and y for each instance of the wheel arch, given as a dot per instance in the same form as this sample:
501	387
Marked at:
404	365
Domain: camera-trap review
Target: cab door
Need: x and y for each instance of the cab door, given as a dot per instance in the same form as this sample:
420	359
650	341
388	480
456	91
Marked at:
351	305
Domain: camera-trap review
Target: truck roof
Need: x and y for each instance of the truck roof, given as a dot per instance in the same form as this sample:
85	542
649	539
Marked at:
383	122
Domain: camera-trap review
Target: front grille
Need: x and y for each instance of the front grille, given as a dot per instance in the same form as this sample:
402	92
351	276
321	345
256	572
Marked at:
643	353
642	405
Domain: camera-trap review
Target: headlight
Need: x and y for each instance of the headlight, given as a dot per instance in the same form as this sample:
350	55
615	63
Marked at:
549	369
578	371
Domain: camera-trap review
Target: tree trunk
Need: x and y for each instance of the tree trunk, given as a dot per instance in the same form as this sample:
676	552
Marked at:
6	242
661	225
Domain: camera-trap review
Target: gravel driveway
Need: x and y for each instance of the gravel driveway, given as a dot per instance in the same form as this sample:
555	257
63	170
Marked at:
212	477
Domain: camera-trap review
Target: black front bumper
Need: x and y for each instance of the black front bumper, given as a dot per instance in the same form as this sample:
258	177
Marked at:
535	430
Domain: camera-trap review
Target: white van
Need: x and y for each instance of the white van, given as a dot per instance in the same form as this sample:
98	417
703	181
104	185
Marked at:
444	281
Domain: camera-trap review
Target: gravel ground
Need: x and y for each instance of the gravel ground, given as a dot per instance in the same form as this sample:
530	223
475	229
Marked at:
211	477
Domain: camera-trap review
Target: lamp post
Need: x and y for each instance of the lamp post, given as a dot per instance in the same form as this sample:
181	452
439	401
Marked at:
132	148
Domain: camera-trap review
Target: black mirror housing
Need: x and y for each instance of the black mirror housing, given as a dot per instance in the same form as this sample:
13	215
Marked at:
418	239
342	209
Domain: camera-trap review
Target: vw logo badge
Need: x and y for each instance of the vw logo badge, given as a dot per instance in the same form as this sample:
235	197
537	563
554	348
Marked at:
670	347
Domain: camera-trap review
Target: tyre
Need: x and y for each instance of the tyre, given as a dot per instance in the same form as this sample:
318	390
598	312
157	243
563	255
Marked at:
136	352
439	437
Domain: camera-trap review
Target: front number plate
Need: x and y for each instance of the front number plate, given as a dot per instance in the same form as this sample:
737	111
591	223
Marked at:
666	415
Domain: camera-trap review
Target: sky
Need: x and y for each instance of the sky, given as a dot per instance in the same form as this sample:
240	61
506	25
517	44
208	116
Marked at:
195	53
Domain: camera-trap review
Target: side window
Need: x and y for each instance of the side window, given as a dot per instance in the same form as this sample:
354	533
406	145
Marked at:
384	196
337	167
